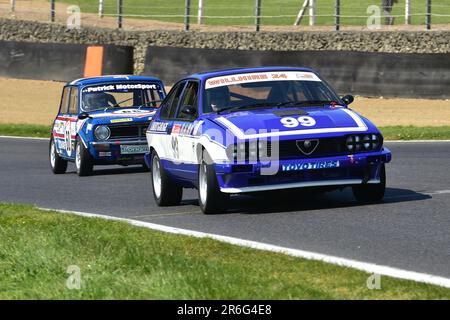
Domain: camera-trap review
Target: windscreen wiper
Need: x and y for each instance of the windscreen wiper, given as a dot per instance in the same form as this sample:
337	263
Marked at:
306	103
117	104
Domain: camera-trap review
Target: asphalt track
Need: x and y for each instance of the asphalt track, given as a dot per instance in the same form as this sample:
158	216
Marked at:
410	230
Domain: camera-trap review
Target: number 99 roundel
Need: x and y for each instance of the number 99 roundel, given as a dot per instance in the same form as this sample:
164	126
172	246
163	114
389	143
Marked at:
305	121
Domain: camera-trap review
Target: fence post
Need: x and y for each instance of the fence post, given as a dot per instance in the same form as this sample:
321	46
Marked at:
312	12
338	15
119	14
257	15
187	13
13	5
408	12
200	12
301	13
428	14
100	9
52	10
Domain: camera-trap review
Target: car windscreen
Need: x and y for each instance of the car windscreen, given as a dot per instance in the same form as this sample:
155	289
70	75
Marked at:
121	95
265	89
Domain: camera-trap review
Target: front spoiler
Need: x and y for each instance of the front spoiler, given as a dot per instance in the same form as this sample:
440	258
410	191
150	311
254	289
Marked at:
325	183
352	170
119	142
108	152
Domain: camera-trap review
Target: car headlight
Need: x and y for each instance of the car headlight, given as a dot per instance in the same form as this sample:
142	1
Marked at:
102	132
350	143
253	150
249	151
366	142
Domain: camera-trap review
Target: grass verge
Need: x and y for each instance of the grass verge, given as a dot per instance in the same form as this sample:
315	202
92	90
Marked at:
416	133
25	130
389	133
117	260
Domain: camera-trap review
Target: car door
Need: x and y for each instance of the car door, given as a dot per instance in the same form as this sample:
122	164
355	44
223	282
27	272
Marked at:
182	139
70	126
60	123
159	133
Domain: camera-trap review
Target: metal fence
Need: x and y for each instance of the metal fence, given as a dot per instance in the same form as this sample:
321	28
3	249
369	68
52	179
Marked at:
242	14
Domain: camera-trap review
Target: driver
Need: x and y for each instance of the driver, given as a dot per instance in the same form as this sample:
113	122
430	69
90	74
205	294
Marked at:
219	98
98	100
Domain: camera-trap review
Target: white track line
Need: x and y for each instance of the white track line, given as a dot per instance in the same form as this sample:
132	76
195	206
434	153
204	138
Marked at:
363	266
23	138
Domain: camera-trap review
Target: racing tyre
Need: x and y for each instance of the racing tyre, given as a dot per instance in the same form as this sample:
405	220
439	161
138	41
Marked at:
83	160
371	192
57	164
165	191
210	198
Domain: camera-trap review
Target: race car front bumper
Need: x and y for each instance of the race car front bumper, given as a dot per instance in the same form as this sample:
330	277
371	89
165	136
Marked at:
301	173
130	151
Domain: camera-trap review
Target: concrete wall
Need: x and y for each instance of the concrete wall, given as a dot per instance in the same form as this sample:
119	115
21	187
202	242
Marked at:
61	62
403	75
393	42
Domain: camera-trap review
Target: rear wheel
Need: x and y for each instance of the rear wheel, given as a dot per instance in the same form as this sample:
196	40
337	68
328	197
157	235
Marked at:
165	191
371	192
210	198
57	164
83	160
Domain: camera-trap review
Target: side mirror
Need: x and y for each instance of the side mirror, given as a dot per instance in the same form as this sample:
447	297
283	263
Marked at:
348	99
83	115
188	110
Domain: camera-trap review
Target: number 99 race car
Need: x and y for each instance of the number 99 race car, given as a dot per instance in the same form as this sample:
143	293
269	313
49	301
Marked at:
261	129
103	121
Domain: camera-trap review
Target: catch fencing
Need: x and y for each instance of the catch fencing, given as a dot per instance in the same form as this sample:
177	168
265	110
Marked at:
257	15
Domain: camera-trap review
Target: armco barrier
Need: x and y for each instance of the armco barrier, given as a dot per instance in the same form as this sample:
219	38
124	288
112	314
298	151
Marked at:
412	75
62	62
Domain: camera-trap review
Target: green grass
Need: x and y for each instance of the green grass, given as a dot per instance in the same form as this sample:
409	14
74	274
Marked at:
25	130
416	133
117	260
269	8
389	133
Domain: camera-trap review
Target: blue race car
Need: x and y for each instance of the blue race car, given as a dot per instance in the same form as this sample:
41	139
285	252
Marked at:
261	129
103	121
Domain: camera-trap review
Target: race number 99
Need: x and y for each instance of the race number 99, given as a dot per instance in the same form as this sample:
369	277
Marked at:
291	122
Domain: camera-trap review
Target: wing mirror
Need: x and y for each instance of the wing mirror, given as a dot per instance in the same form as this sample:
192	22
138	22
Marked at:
83	115
188	110
348	99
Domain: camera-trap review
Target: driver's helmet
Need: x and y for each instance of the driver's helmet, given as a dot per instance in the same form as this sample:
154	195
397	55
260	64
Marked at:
219	98
94	101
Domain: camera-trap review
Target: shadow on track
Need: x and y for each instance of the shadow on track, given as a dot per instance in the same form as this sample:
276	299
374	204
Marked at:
114	170
298	200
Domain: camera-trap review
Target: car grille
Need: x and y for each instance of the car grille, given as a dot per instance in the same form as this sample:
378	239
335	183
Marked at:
326	147
128	131
335	146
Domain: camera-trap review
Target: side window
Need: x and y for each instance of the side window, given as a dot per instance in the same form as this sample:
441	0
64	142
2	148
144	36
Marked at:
190	98
170	106
73	104
64	100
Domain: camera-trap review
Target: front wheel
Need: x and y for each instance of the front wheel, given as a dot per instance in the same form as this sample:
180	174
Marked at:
83	160
165	191
57	164
371	192
210	198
